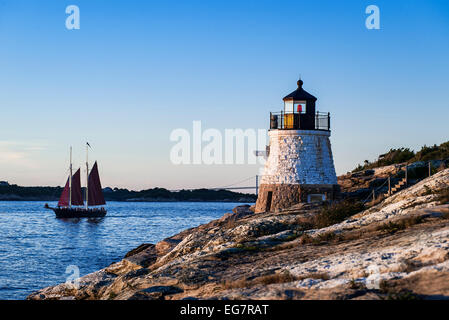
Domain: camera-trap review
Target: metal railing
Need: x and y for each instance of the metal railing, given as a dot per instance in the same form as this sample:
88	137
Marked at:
300	121
402	173
323	121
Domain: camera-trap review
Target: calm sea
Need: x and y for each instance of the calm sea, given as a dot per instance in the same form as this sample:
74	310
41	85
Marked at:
36	248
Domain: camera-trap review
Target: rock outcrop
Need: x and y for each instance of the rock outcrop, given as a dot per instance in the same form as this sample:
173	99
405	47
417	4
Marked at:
398	248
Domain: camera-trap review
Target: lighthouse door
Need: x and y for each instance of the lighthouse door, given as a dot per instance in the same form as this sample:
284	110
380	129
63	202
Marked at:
269	198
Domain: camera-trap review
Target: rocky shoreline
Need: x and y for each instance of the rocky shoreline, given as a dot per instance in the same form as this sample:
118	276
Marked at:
395	249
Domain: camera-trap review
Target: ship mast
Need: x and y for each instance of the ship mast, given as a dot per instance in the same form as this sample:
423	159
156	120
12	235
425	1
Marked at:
70	179
87	175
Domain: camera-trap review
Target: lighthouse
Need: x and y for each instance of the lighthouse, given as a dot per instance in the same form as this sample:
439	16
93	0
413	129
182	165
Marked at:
299	166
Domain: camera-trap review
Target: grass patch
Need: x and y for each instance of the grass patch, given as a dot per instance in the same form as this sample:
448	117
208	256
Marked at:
112	295
304	223
326	237
291	237
330	214
391	227
316	275
283	277
403	295
320	239
443	196
334	213
306	239
395	226
353	284
427	191
393	293
245	247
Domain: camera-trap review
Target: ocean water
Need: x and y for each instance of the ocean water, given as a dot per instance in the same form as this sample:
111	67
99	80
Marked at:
37	250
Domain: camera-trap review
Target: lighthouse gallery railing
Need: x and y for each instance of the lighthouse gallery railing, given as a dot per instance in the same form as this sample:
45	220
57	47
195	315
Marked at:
294	121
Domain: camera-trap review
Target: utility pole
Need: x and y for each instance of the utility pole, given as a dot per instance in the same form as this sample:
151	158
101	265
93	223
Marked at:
430	168
257	185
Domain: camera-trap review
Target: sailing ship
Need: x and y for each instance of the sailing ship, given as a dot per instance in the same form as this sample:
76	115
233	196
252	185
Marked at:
71	203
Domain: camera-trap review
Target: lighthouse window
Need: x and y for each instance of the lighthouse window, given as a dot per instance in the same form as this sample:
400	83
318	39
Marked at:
316	198
288	107
300	107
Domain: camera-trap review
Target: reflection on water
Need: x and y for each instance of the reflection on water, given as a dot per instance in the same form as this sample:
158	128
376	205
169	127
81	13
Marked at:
36	248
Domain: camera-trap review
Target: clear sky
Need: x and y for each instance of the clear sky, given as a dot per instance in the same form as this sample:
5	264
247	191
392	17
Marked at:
136	70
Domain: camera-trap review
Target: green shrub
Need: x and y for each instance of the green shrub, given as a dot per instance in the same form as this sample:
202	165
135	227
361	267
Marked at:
433	153
418	173
393	227
337	212
391	157
401	155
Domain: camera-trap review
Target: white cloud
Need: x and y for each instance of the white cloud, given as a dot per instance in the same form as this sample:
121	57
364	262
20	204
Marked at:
19	153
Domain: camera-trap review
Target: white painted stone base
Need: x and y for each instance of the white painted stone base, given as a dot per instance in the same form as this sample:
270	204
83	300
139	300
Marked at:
299	157
299	165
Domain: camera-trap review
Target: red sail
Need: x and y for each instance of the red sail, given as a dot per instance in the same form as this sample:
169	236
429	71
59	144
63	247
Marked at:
77	195
77	198
64	199
95	192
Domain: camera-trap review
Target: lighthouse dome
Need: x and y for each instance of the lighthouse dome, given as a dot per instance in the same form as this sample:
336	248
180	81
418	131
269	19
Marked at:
300	94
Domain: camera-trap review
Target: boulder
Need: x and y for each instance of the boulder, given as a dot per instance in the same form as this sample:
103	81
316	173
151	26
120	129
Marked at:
239	212
165	246
144	257
138	249
242	209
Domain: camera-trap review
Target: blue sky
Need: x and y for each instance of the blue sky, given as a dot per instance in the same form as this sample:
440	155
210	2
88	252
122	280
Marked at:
136	70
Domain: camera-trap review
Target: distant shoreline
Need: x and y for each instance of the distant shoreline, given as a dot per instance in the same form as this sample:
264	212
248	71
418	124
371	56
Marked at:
124	201
12	192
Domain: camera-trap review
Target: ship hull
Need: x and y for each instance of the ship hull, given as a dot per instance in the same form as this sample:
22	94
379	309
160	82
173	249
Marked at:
66	213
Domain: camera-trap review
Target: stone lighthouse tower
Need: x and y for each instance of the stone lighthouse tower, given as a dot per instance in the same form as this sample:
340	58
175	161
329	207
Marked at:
299	166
